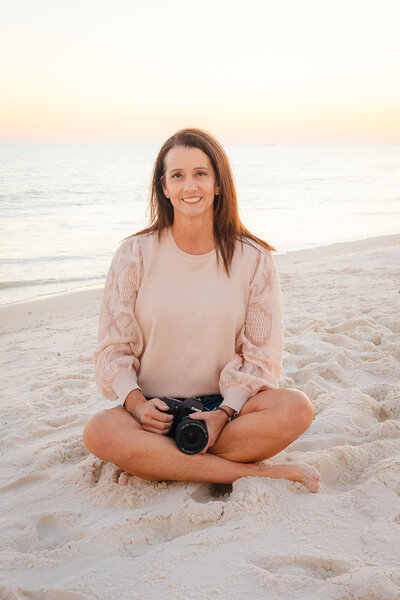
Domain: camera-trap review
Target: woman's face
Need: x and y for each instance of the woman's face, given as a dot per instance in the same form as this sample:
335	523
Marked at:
189	182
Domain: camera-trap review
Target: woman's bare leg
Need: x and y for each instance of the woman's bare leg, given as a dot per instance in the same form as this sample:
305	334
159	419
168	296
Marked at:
113	435
269	422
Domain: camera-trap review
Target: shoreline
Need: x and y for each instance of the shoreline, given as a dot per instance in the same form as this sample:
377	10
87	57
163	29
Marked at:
26	313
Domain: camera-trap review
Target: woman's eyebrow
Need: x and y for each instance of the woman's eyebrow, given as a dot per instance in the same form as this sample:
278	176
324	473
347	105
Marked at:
172	170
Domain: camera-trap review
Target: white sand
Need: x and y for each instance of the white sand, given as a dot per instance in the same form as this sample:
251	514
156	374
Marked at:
69	532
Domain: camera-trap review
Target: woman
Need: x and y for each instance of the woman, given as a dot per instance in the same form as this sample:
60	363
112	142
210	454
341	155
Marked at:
192	307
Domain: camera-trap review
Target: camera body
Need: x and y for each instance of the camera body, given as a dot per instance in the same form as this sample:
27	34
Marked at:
191	435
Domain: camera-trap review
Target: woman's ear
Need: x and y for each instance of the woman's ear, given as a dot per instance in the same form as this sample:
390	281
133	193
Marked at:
162	179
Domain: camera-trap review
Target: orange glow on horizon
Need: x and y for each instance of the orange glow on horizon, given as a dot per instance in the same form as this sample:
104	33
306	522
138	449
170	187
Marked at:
313	73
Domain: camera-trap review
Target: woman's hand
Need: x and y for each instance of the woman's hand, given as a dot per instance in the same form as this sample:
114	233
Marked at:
215	422
149	414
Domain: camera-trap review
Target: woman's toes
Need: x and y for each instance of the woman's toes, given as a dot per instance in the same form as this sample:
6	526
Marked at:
123	478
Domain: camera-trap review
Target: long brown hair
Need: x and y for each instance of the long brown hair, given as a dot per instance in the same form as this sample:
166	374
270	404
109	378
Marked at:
227	224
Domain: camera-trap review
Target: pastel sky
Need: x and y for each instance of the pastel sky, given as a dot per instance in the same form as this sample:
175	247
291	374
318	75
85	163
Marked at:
272	71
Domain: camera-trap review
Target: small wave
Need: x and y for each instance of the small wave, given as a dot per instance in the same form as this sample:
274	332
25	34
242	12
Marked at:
6	285
41	259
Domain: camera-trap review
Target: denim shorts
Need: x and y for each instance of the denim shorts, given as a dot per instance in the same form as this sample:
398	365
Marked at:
209	402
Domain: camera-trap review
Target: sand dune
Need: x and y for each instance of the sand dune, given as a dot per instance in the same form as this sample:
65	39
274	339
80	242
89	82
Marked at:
70	532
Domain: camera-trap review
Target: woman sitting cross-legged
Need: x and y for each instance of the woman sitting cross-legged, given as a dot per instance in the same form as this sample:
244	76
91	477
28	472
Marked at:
192	308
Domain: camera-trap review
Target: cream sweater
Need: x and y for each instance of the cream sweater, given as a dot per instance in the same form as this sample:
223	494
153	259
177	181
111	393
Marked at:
175	325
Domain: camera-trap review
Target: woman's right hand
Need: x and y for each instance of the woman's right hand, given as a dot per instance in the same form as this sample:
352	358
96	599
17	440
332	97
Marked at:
150	414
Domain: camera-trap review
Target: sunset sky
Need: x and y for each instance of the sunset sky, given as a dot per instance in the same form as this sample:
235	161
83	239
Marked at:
129	70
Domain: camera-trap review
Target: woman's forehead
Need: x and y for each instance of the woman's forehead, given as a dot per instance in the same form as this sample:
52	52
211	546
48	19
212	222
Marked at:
180	157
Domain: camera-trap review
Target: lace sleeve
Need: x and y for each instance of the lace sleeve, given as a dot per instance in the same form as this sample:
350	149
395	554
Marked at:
120	340
257	362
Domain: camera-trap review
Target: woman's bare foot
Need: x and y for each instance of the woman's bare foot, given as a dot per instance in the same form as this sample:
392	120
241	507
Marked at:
301	472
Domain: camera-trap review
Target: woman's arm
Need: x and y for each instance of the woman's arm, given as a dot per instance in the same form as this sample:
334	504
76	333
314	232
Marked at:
120	340
257	362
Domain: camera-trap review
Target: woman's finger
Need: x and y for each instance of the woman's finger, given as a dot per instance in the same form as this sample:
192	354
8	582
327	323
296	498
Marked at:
158	413
155	430
156	424
160	418
159	404
198	415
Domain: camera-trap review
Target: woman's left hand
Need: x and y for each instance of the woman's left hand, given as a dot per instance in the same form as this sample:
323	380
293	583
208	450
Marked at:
215	422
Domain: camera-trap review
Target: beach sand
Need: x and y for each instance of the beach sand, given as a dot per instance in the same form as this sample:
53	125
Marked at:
70	532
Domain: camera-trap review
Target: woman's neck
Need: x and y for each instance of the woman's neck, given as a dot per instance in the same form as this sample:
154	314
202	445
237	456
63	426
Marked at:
193	239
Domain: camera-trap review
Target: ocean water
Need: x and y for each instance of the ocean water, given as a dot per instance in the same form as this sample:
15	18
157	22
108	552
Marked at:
64	209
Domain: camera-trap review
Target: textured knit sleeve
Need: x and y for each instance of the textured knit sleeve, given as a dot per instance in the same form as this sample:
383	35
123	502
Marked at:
257	362
120	341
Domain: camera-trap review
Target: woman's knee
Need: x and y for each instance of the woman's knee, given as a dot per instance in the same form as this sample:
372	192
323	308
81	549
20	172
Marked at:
98	433
300	411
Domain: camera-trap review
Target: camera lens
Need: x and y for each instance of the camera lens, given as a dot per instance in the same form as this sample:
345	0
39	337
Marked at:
191	436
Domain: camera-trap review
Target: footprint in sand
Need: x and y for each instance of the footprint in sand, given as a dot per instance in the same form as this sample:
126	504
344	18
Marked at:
389	411
315	567
169	525
396	519
75	383
387	429
382	392
214	491
329	372
51	531
26	480
355	580
68	451
60	421
392	322
43	427
349	325
29	535
9	593
343	467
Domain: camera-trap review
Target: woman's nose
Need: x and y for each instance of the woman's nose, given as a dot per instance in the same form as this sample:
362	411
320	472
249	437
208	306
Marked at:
189	184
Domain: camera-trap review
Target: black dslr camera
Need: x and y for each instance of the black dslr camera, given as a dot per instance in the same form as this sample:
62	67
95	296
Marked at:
191	435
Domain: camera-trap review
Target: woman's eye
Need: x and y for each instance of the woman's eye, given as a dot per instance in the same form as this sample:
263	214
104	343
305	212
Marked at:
175	175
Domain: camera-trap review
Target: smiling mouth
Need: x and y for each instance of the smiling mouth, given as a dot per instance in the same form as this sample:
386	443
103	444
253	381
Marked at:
193	200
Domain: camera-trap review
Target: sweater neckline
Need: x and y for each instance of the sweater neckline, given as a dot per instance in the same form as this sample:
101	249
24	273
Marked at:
190	257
